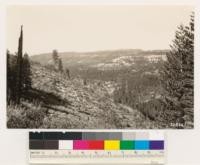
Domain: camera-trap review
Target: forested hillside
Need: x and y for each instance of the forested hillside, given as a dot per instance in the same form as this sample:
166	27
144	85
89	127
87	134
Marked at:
55	101
106	89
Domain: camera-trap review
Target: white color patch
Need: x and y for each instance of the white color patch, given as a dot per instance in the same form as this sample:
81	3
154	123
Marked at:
65	144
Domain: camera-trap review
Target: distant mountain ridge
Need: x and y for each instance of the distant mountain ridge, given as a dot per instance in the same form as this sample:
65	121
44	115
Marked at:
91	59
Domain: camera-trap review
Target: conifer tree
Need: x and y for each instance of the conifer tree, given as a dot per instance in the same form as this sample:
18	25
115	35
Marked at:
55	59
11	77
26	73
8	77
19	67
178	72
67	73
60	65
187	101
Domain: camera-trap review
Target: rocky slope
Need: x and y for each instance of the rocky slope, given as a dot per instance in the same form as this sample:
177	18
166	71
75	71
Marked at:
73	103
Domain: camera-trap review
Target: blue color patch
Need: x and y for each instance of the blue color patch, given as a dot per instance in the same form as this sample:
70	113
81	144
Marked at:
141	145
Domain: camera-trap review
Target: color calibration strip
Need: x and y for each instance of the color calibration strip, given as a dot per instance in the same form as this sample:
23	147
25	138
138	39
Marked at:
58	148
93	141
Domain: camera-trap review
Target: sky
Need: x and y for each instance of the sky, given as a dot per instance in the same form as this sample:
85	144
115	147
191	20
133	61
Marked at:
92	28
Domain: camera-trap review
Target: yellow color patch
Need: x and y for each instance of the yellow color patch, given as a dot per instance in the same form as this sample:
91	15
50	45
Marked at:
111	144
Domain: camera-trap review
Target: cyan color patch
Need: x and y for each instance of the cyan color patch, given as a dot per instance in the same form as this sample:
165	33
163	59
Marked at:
141	145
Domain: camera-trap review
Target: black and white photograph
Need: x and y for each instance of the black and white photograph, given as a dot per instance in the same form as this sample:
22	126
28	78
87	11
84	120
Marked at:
100	66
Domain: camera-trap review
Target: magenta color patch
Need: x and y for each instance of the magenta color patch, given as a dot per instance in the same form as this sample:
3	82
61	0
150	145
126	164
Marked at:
80	145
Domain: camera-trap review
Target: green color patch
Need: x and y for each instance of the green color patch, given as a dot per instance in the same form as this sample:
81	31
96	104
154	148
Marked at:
127	145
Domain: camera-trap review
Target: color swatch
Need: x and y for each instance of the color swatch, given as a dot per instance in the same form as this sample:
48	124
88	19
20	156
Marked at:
111	145
94	141
127	145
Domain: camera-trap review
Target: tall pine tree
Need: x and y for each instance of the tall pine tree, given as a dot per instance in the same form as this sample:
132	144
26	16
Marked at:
26	74
187	99
19	68
178	73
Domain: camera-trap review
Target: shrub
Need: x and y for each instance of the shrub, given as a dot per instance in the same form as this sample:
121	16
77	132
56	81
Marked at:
26	115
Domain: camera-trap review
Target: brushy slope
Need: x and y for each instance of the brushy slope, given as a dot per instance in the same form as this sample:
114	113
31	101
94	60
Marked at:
58	102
